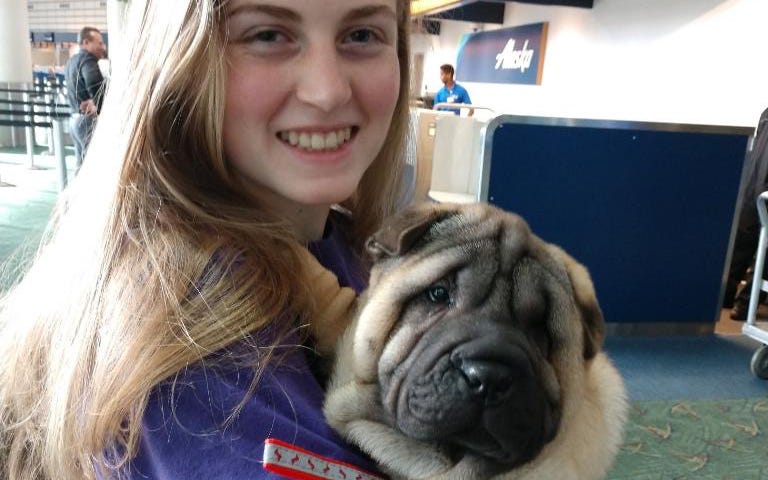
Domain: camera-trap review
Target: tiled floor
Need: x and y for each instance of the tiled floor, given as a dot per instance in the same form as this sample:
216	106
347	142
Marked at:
27	197
727	326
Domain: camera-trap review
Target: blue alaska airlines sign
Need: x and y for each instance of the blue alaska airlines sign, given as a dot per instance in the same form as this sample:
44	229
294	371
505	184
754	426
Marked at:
507	55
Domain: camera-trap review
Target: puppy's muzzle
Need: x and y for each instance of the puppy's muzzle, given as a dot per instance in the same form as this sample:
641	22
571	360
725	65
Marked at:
484	396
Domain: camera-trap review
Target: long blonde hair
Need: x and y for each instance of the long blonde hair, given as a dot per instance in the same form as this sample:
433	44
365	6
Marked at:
123	292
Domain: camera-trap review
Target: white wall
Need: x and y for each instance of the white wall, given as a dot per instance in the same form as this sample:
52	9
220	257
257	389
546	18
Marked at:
66	16
441	49
681	61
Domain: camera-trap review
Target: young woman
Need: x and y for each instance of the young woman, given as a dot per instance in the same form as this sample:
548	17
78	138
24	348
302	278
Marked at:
162	331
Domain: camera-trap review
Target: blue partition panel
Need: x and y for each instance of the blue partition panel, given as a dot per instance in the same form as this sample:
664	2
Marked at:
648	208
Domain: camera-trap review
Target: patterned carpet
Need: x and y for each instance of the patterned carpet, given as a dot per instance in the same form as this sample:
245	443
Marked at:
697	410
706	439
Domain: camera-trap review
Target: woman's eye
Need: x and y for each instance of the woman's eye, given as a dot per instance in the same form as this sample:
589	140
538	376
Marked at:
362	35
269	41
268	36
438	294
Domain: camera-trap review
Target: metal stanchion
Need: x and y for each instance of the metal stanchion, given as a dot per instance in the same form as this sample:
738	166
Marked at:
9	96
58	148
50	101
29	131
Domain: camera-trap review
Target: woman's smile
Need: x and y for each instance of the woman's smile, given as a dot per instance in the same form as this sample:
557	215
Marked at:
317	140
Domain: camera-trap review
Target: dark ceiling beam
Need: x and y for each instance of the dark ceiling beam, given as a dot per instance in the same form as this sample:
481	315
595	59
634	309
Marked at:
561	3
477	12
482	11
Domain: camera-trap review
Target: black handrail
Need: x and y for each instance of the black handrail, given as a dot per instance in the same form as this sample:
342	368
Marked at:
25	123
36	103
35	91
54	110
22	113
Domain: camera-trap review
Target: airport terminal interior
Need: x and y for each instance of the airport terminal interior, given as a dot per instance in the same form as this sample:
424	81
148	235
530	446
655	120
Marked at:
626	132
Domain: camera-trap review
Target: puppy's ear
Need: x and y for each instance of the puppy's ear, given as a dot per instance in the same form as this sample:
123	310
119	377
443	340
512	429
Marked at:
400	232
586	301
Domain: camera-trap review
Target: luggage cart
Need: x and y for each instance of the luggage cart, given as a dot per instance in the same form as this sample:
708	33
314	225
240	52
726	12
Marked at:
753	328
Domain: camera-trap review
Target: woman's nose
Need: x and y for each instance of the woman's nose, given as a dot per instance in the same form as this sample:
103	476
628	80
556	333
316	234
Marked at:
325	81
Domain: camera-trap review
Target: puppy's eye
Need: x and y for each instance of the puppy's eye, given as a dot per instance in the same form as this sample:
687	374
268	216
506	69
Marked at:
438	294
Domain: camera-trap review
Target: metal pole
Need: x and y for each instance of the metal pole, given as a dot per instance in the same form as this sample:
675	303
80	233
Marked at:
58	148
30	144
14	144
50	100
29	132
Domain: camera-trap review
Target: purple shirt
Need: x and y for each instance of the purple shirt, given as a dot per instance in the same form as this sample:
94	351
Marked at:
182	437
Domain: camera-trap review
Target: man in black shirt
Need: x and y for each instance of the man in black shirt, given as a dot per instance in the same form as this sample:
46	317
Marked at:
85	86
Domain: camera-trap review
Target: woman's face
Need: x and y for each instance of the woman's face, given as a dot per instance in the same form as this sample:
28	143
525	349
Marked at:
311	89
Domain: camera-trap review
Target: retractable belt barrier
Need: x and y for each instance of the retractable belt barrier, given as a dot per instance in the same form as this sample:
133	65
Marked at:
37	108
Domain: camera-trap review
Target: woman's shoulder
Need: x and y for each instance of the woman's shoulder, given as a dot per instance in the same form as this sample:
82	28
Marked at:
335	252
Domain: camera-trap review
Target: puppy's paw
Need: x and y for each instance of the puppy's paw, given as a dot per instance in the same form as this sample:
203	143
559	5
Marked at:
334	304
353	410
399	455
349	402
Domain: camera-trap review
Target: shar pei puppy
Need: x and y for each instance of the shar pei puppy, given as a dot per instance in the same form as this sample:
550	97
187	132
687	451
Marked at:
475	353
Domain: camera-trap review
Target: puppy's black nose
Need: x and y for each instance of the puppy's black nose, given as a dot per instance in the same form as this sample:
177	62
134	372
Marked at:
487	378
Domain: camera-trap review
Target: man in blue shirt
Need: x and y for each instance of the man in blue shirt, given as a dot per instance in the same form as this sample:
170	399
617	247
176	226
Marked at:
451	92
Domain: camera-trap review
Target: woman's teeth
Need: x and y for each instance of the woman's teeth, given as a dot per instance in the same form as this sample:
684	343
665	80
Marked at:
317	141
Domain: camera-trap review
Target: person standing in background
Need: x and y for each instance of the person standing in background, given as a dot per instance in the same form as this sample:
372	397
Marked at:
85	88
737	293
451	92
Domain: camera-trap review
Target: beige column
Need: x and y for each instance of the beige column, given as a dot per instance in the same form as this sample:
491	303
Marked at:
15	47
15	57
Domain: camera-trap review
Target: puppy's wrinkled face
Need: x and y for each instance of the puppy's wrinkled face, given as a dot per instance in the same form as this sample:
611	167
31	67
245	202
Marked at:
468	363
